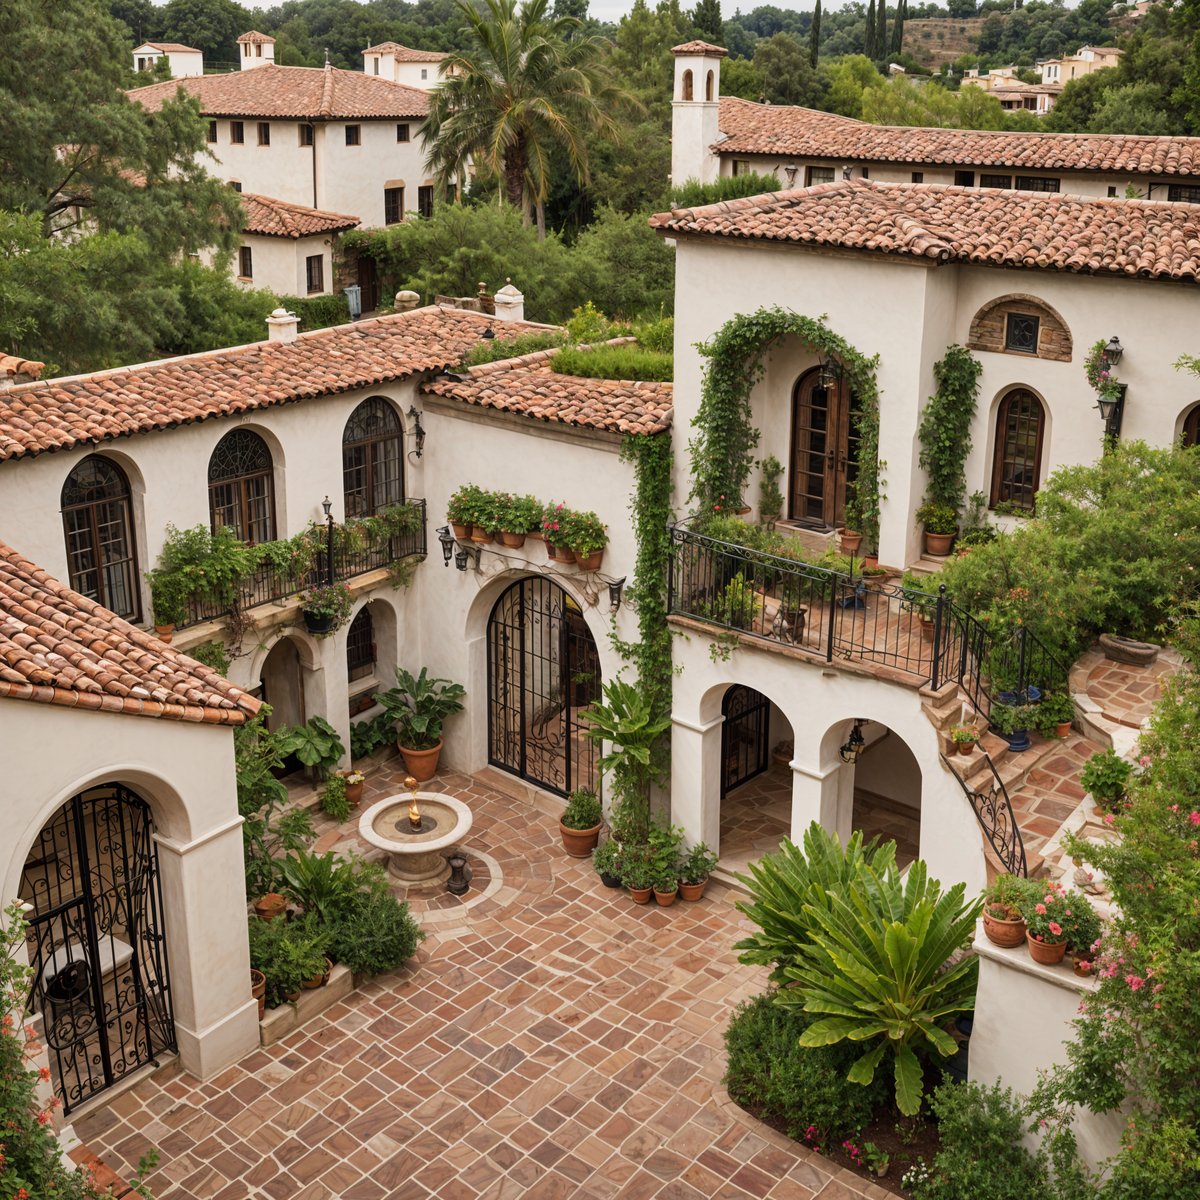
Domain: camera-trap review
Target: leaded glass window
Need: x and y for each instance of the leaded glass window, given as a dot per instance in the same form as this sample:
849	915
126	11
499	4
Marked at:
372	458
241	492
1017	469
98	526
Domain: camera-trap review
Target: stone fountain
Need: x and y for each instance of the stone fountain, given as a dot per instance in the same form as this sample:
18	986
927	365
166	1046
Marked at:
415	830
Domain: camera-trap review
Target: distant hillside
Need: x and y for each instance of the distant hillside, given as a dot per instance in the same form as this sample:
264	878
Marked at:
934	42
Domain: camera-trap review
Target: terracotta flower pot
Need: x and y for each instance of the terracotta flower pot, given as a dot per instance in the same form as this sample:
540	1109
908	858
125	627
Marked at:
1003	933
579	843
590	562
462	530
514	541
320	979
1083	968
269	906
927	628
692	891
481	535
964	747
164	633
559	554
258	990
1046	953
354	793
849	541
938	544
666	899
640	895
1063	729
422	765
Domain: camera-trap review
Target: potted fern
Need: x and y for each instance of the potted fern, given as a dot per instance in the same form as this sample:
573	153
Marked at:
419	705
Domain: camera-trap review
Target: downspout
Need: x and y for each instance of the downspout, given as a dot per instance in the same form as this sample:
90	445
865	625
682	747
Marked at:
314	162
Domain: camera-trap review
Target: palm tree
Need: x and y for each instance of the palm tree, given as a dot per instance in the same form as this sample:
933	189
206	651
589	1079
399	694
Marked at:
528	83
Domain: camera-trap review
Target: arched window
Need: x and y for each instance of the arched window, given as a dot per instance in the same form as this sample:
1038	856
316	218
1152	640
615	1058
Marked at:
241	491
98	525
360	645
687	85
708	87
1191	427
372	458
1017	469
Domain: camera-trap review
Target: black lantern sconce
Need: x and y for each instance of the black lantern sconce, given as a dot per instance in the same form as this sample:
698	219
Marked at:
615	590
1113	350
418	430
446	539
855	744
327	506
831	372
1112	408
466	554
489	333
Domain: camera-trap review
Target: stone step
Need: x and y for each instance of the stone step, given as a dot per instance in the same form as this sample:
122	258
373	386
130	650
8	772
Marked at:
928	564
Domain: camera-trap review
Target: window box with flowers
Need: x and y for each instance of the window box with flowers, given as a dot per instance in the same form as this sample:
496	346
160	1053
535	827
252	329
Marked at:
519	517
587	537
556	521
460	512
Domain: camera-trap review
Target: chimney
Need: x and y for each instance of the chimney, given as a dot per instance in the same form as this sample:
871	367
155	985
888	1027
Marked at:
510	304
282	326
14	370
406	301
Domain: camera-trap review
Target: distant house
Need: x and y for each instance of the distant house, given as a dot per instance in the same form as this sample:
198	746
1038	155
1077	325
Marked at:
256	50
415	68
1013	94
183	60
1083	62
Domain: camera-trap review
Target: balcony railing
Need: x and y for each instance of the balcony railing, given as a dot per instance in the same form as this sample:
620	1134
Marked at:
266	585
836	616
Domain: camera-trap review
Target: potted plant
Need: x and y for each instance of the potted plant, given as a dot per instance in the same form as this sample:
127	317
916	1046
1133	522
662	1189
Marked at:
168	602
875	1160
587	536
269	905
258	990
607	861
794	591
419	705
522	515
770	498
964	738
666	887
354	786
460	511
1106	776
326	608
1011	721
287	953
697	866
1082	929
556	521
1055	714
663	849
334	802
580	823
1003	901
315	743
637	874
941	524
489	514
1045	913
738	604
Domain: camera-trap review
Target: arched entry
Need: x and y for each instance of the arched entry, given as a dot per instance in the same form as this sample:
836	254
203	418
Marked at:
96	942
281	684
543	669
824	448
745	736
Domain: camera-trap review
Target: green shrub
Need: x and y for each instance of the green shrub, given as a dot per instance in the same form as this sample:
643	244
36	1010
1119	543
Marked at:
315	743
981	1156
287	953
318	312
374	933
333	798
658	336
583	810
495	349
694	194
1106	775
799	1088
367	736
212	654
615	362
588	325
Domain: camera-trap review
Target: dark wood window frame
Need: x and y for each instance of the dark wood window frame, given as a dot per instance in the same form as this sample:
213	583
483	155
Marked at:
360	645
353	135
1014	340
373	433
241	473
964	178
995	181
264	133
212	131
403	131
237	132
1037	183
425	200
1183	193
1190	432
393	205
306	133
245	262
314	273
1010	452
811	175
82	502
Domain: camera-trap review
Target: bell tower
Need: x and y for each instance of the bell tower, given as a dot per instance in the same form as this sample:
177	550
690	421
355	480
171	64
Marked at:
695	109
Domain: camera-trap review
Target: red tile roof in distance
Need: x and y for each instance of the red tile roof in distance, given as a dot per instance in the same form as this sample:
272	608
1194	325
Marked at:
1149	239
698	47
405	53
803	132
530	387
253	37
171	47
298	93
83	410
57	647
268	217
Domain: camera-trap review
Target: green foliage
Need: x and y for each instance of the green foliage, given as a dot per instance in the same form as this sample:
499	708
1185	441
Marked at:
1007	896
332	600
788	75
607	858
316	312
624	265
803	1088
615	362
419	706
872	953
367	736
1106	775
495	349
211	654
288	953
315	743
737	606
945	429
589	326
694	194
937	518
585	533
770	497
374	932
663	855
583	810
980	1154
333	799
697	864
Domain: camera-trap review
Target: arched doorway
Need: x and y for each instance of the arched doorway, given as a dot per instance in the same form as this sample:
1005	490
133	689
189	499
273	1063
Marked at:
96	942
745	736
825	441
543	669
281	684
881	788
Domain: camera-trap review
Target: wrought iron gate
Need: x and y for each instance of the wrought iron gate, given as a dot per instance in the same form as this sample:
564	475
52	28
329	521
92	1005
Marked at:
543	669
745	736
96	942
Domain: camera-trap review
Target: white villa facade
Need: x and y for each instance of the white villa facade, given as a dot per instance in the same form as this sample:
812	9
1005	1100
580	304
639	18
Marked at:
183	60
414	68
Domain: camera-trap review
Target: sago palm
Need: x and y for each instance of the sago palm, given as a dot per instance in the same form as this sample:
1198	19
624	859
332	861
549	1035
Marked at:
527	84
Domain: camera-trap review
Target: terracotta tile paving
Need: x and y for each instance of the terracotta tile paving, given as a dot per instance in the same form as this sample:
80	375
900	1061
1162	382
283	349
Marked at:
1127	694
550	1039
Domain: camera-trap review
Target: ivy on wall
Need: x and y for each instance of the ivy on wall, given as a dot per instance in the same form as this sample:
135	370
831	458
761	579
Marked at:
722	450
945	431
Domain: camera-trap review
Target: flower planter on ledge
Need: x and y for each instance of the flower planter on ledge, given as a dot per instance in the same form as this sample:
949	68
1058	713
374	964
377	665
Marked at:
318	622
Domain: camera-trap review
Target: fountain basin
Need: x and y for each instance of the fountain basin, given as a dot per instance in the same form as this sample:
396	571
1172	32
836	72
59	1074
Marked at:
416	857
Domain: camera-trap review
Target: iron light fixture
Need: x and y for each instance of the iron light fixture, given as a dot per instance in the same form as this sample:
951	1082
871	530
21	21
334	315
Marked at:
855	744
1113	350
831	372
418	430
615	589
466	554
446	538
327	506
489	333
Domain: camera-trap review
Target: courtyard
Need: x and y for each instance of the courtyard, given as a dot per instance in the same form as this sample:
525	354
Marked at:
549	1039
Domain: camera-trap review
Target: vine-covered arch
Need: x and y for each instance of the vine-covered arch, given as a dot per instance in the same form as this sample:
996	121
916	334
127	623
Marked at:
722	450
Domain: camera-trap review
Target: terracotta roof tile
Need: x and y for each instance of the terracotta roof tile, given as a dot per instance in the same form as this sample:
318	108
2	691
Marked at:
81	410
171	47
803	132
699	47
268	217
528	386
11	365
253	38
1144	238
405	54
307	93
57	647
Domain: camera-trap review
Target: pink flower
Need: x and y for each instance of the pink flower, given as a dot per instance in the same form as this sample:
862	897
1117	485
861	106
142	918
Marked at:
1144	761
1109	818
1194	817
1136	982
1040	910
43	1118
1055	928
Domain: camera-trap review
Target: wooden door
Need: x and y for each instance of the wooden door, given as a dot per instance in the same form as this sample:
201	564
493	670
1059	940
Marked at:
824	451
368	281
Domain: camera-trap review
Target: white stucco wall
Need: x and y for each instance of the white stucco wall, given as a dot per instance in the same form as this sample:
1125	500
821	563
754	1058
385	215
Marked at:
185	771
695	122
280	264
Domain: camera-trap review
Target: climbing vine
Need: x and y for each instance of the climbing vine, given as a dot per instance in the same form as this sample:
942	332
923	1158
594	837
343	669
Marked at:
722	450
945	431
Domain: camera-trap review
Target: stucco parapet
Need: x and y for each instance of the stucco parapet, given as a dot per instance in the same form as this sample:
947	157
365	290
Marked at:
1018	958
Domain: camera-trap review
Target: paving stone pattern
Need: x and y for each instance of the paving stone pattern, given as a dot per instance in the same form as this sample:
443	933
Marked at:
551	1040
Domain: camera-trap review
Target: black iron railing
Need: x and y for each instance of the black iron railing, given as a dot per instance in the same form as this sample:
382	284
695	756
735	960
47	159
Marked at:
266	585
835	615
994	812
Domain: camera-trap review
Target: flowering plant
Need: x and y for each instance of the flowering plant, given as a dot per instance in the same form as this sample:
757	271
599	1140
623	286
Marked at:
556	524
1099	373
1047	914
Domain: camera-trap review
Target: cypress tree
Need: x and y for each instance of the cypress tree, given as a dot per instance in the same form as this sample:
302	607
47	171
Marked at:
814	37
898	26
869	35
881	30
